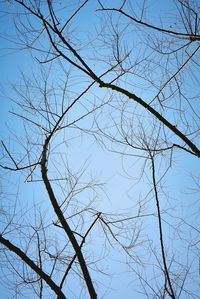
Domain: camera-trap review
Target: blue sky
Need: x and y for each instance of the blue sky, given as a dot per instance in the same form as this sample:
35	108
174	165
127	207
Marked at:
120	191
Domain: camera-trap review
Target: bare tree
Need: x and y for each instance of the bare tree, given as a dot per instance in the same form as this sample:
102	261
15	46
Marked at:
130	87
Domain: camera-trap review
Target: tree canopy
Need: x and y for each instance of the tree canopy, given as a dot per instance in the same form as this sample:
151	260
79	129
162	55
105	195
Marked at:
99	157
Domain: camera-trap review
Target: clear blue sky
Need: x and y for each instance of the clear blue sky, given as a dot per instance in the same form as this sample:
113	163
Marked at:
121	193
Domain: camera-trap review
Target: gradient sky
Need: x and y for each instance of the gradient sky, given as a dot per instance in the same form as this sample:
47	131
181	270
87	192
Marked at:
108	167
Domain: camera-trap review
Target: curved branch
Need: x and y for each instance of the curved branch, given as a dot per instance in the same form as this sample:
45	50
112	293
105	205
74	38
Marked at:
64	223
191	37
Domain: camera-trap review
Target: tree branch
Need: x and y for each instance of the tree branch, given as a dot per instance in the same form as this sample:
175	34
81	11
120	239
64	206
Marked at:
33	266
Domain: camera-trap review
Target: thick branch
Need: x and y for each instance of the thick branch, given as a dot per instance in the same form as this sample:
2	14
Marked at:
33	266
155	113
65	224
